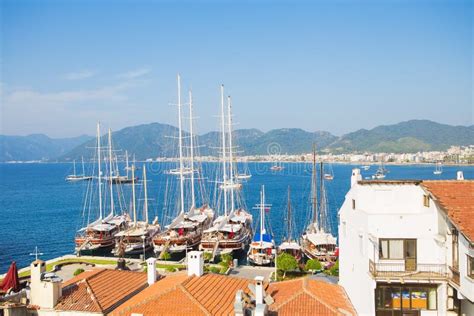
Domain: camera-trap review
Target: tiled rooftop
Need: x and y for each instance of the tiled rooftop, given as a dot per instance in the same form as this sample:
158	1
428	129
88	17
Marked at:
309	297
212	294
100	290
456	198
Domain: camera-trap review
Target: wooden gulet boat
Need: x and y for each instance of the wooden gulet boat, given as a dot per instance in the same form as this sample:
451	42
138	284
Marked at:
289	245
232	230
186	230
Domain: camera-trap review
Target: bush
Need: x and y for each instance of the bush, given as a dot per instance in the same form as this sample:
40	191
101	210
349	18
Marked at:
286	262
78	271
313	265
214	270
334	269
226	257
166	256
207	256
170	269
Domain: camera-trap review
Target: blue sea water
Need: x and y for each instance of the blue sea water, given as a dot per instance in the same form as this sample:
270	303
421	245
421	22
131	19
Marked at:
39	208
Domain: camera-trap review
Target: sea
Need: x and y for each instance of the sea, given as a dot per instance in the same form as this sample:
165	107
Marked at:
38	208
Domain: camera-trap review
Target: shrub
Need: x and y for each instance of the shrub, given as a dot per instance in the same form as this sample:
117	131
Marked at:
207	256
286	262
335	269
226	257
166	256
214	270
313	265
78	271
170	269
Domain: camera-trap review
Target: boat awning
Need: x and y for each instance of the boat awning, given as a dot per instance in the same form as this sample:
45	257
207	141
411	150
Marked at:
199	218
289	245
133	232
184	224
321	238
102	227
230	228
261	245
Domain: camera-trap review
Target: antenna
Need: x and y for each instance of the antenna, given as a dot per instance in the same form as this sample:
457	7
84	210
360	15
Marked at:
36	253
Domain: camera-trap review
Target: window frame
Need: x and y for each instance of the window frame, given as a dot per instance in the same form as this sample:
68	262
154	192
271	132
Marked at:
382	290
426	200
404	248
470	267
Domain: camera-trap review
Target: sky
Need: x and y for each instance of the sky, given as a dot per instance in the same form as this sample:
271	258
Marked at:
336	66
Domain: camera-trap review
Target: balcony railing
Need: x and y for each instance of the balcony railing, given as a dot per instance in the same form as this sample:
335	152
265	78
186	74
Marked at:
397	270
454	275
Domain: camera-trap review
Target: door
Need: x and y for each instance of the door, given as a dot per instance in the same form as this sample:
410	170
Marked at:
410	254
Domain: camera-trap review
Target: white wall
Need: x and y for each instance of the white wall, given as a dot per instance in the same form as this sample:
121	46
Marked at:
467	284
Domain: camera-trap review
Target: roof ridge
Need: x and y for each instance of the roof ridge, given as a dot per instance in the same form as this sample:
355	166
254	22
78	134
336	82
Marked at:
92	294
291	297
307	291
193	299
154	296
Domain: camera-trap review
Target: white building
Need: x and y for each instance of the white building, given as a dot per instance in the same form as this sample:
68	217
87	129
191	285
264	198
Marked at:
407	247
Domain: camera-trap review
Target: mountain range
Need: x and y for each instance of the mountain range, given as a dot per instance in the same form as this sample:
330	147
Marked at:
159	140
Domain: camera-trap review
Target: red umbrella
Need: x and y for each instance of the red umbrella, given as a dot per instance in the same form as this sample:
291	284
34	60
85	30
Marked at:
11	279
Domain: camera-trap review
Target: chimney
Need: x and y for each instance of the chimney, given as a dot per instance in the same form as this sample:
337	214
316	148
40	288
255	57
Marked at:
258	290
37	268
460	175
45	288
195	261
356	176
151	270
239	304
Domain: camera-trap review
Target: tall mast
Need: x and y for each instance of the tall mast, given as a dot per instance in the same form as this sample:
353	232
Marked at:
262	213
126	162
193	198
224	171
322	199
83	171
145	203
180	140
231	162
314	191
133	197
111	185
74	164
289	215
98	170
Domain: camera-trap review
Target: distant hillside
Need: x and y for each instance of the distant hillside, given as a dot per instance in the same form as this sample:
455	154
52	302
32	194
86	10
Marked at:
159	140
36	147
410	136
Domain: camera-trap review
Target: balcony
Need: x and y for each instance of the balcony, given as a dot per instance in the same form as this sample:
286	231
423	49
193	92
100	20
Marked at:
399	270
454	275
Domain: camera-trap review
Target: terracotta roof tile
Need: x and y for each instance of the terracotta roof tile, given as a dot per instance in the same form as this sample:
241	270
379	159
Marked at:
456	198
100	290
309	297
213	294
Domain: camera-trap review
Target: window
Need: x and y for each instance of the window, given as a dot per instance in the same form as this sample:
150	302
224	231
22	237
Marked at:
426	200
470	266
353	204
407	297
397	248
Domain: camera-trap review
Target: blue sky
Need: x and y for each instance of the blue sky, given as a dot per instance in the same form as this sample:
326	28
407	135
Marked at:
336	65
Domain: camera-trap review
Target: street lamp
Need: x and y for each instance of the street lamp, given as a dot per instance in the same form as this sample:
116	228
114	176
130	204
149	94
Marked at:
143	238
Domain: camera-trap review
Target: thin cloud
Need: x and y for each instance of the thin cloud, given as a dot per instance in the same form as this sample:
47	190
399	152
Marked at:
136	73
79	75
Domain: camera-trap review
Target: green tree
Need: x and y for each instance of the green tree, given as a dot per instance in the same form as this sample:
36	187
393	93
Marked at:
313	265
207	256
166	256
78	271
334	270
226	257
286	262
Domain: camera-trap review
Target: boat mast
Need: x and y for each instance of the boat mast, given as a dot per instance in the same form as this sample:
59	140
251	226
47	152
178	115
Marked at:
231	158
133	197
193	198
74	164
180	140
110	174
126	162
314	191
83	170
289	215
322	202
98	170
262	213
145	203
224	171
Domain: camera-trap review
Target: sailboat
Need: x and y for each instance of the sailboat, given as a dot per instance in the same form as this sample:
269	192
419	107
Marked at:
101	233
317	241
438	168
290	245
186	230
245	174
138	238
232	230
380	173
329	175
277	166
78	177
262	248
